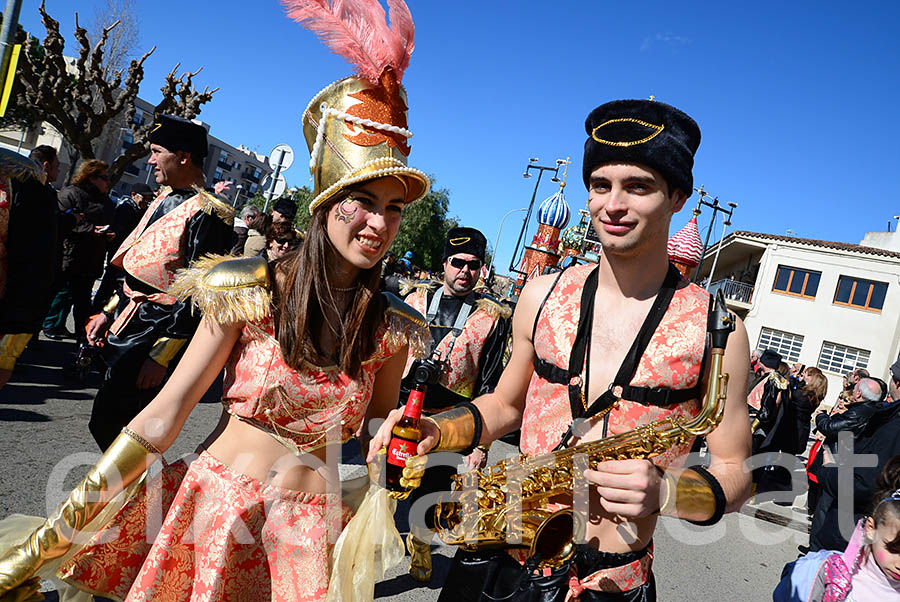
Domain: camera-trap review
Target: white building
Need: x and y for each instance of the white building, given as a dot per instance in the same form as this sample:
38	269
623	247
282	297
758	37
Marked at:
828	304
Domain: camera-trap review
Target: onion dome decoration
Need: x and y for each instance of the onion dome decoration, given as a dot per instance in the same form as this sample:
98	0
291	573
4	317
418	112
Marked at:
572	236
685	246
554	211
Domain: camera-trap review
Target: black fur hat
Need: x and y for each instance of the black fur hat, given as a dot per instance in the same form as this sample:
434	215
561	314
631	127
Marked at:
646	132
465	240
179	134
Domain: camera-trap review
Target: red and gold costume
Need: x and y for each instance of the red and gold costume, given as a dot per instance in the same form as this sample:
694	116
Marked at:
226	535
179	227
673	359
475	361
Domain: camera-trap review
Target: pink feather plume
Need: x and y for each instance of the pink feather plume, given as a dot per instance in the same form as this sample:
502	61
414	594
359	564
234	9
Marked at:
358	31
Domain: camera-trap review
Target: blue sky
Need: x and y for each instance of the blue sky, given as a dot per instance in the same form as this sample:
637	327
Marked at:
797	101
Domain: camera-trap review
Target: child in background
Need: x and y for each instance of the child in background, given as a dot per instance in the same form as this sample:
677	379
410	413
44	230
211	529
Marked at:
868	570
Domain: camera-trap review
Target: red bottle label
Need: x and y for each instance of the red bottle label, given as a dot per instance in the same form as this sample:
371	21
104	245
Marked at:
399	450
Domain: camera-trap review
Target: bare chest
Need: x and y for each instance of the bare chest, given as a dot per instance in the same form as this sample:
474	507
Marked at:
615	327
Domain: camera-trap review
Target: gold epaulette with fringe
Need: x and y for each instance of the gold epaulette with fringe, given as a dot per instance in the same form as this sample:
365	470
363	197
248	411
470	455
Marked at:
778	380
409	286
227	288
19	167
406	326
492	307
211	204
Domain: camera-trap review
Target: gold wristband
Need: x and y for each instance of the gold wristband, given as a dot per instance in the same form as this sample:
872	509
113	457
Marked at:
457	429
143	442
111	305
688	496
165	349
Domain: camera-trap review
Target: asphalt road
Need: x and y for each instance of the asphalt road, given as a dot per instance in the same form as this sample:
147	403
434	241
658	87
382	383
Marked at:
43	421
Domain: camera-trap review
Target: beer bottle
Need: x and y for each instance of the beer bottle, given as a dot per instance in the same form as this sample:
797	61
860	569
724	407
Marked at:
406	436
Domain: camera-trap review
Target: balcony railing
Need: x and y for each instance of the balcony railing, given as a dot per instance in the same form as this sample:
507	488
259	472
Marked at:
224	165
733	290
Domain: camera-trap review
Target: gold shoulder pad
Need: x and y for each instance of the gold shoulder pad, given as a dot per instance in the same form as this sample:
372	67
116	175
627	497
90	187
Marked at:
229	289
779	381
19	167
211	204
406	326
492	307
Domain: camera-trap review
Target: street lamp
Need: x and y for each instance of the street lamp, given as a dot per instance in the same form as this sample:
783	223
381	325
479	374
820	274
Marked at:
237	194
727	213
499	230
532	164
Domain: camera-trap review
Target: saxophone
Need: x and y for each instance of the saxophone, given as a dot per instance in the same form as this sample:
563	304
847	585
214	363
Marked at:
504	505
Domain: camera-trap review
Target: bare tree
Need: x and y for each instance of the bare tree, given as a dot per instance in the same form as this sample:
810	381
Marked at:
80	100
123	41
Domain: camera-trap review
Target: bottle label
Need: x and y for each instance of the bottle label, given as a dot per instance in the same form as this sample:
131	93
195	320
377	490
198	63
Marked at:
413	407
399	450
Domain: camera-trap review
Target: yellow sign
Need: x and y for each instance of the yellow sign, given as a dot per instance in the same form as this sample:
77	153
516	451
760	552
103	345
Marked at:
10	77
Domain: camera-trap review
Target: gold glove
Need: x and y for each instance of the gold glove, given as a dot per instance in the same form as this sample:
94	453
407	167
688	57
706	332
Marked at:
410	479
124	462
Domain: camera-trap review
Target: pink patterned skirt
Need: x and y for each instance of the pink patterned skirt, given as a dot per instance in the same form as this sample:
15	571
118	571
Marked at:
202	531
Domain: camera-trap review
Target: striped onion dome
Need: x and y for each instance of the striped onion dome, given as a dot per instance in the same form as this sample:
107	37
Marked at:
554	211
685	246
571	236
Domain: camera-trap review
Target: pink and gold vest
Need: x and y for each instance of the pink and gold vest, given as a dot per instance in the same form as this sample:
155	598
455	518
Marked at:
673	359
462	371
153	254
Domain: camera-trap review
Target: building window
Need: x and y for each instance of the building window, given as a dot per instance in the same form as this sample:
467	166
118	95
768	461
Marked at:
794	281
840	359
787	344
857	292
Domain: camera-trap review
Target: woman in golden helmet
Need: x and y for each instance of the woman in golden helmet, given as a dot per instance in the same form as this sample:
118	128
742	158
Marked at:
311	352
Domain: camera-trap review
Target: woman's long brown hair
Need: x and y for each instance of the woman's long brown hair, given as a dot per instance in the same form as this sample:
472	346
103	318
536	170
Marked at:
302	288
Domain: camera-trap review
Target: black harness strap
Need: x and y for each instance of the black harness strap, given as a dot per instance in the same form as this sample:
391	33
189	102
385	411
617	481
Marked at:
629	365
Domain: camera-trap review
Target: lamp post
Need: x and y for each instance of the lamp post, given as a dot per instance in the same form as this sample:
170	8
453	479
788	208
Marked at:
716	207
532	164
237	194
499	230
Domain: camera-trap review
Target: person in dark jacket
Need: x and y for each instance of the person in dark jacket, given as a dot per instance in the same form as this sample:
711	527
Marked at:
866	394
833	523
127	215
30	250
83	247
242	228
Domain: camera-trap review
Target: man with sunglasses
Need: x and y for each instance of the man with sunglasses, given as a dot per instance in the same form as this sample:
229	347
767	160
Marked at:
468	338
151	327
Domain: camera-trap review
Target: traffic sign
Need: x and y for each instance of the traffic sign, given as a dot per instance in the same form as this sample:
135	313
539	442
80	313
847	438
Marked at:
280	185
287	158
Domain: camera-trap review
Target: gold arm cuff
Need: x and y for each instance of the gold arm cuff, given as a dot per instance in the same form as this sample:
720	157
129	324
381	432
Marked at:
111	305
11	347
688	496
457	428
165	349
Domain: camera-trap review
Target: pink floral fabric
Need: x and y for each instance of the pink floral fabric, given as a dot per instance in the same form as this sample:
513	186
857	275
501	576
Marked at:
313	406
673	358
225	536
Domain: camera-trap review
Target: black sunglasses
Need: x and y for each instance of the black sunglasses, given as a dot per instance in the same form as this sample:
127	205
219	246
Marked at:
459	263
284	241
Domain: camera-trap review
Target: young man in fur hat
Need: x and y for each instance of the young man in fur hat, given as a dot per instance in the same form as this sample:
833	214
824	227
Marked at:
468	337
577	351
151	327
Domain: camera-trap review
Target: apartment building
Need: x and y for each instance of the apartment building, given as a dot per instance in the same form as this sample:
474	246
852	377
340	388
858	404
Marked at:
828	304
241	165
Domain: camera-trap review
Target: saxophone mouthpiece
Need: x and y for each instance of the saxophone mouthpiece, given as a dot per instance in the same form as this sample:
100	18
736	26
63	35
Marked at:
721	321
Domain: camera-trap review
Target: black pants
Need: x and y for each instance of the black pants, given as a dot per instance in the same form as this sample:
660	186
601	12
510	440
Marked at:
119	400
494	576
